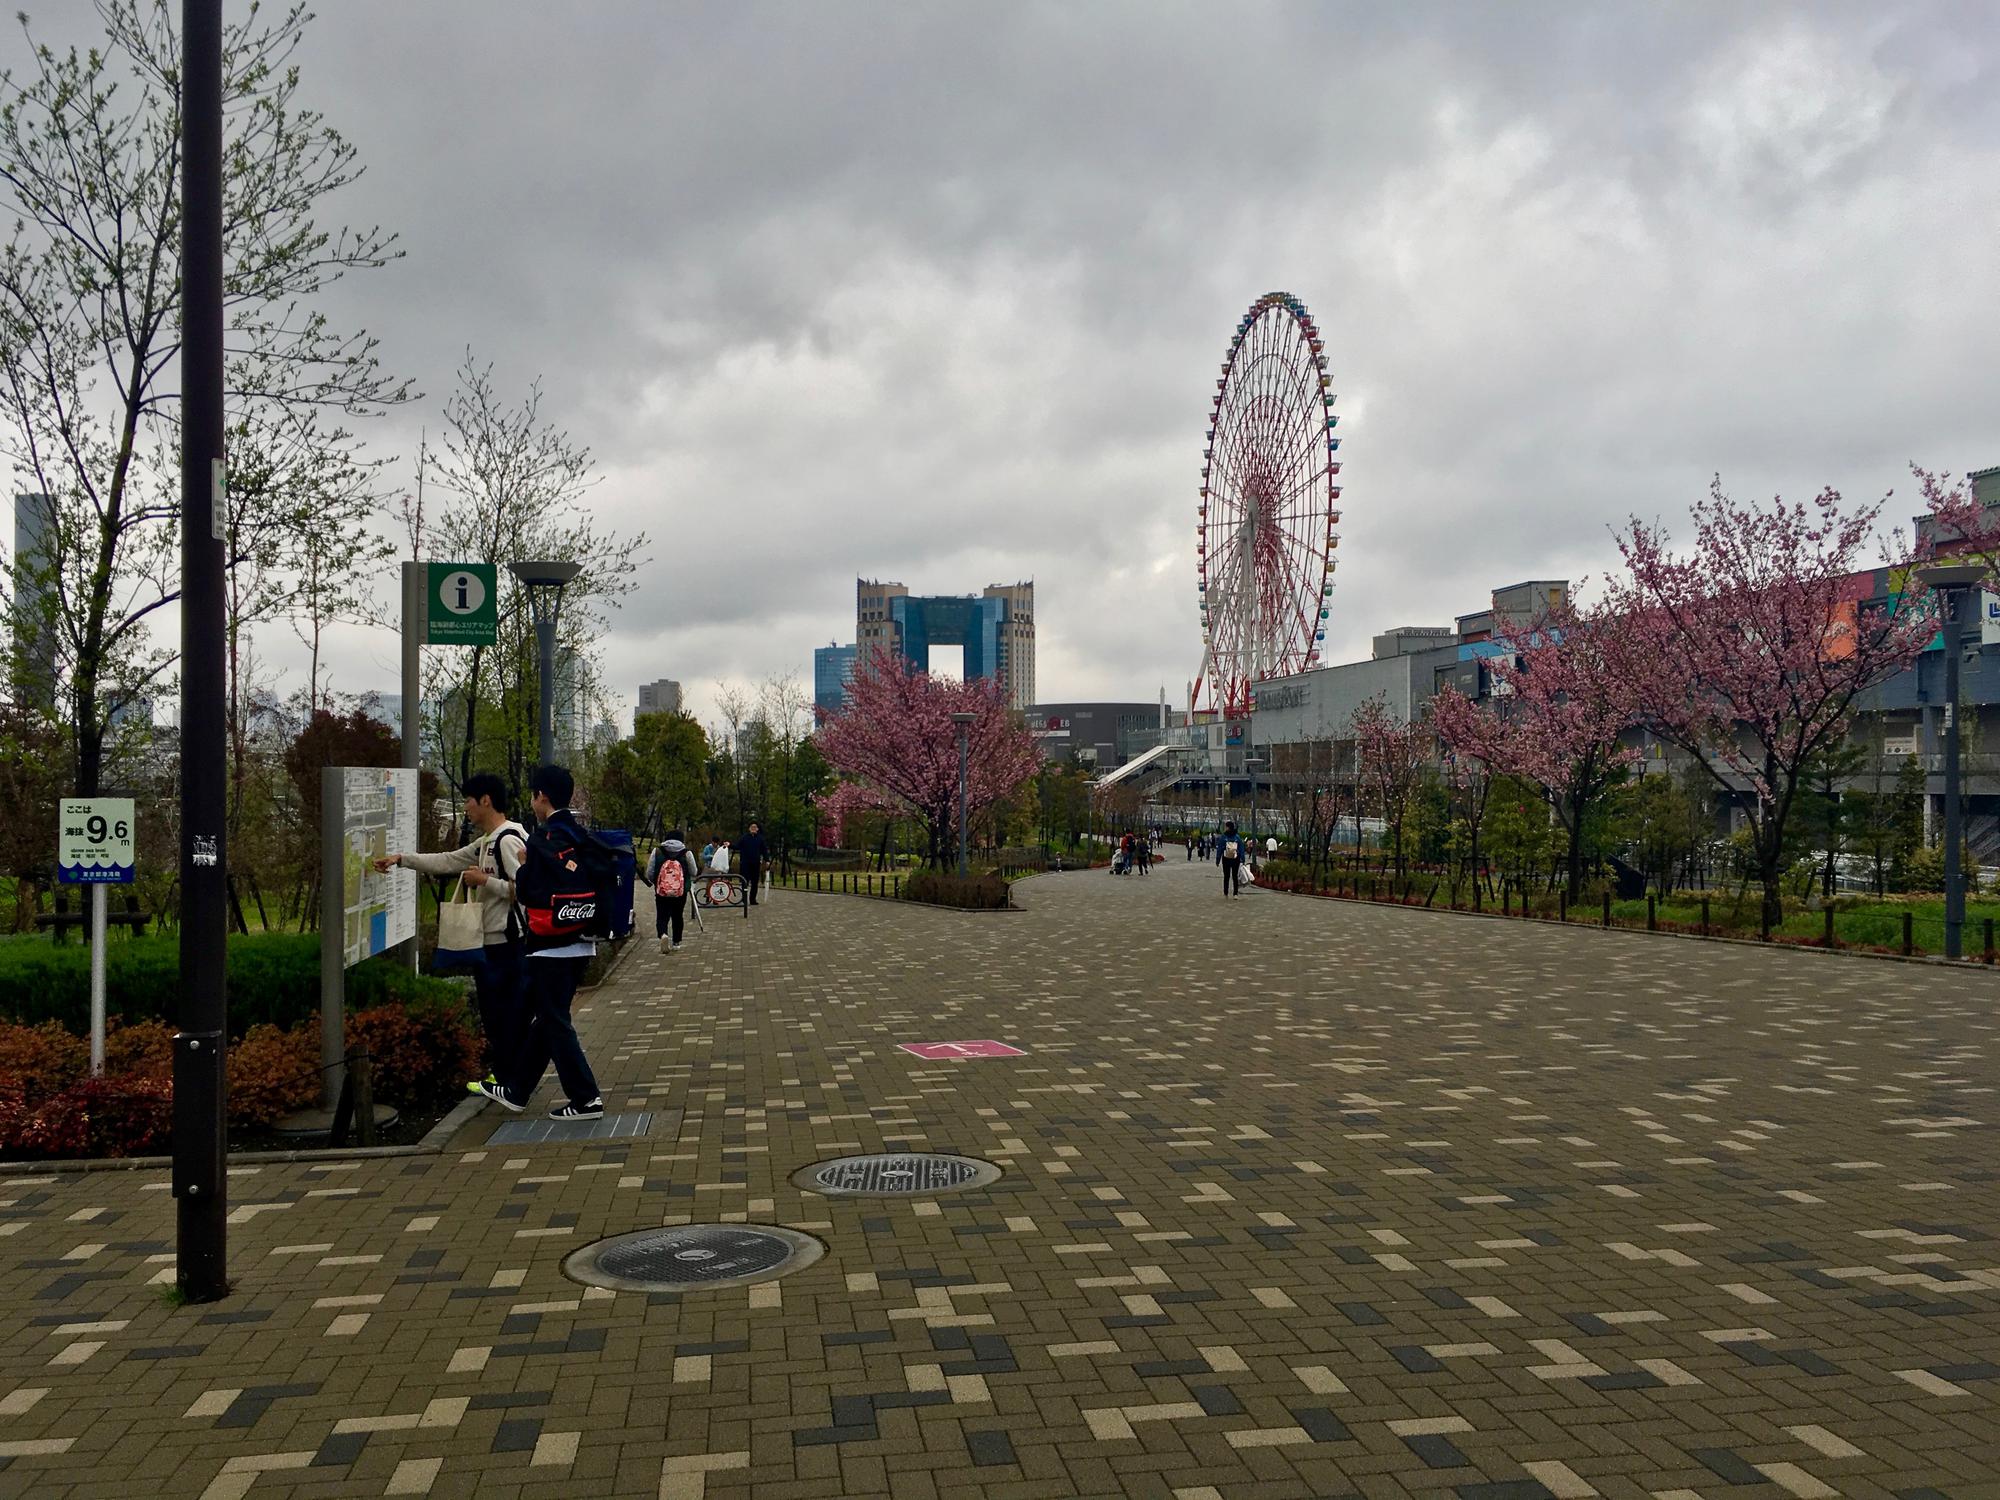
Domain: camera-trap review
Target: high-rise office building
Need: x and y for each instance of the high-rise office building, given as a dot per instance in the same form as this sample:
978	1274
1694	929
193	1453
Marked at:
996	629
833	669
662	697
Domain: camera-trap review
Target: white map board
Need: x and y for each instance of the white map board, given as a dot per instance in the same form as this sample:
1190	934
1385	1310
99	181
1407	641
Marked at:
378	817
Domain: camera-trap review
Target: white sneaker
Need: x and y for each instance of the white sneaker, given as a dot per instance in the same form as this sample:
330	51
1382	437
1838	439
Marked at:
667	946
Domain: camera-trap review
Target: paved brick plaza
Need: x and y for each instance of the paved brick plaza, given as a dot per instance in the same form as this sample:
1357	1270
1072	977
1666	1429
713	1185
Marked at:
1300	1199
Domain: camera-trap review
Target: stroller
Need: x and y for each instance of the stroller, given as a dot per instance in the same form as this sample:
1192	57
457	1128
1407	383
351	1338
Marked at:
1118	862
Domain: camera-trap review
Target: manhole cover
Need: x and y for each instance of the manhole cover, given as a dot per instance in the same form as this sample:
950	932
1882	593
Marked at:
692	1255
907	1176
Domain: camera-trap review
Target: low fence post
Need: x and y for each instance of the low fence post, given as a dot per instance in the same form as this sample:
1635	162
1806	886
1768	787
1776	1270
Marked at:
1475	888
1652	915
1829	924
364	1097
1562	904
1506	899
1607	908
1989	940
1909	940
1704	914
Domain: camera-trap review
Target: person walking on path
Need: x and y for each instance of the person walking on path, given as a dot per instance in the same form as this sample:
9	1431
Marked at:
553	967
1229	853
670	871
708	855
750	859
489	865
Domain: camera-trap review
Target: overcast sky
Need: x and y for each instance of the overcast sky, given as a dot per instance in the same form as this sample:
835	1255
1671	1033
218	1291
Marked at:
938	292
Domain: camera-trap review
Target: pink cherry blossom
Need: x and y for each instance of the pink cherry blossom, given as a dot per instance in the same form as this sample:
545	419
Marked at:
1750	651
897	749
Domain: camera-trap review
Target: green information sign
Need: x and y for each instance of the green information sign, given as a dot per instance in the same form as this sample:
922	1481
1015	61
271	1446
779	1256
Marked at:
463	605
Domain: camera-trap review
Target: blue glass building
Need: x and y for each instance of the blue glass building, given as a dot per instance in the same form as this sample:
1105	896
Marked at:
833	669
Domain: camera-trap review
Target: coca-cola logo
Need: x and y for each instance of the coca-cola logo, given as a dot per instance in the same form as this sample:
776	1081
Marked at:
576	911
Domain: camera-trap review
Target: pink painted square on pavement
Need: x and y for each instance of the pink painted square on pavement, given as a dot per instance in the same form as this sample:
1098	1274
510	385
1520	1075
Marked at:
940	1051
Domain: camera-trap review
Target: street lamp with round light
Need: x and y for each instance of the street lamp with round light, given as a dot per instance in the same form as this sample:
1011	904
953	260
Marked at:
963	723
544	582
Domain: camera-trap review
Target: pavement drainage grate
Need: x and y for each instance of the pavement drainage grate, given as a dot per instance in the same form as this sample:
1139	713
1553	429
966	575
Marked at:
604	1128
687	1256
911	1175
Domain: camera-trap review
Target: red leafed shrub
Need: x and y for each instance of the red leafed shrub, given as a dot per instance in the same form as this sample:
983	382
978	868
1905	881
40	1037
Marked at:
420	1054
93	1117
144	1049
38	1061
272	1073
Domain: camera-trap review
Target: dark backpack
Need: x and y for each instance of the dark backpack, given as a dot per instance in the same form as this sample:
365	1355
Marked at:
566	885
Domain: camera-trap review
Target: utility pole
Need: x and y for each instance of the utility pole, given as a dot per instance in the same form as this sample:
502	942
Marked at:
963	722
200	1182
1954	584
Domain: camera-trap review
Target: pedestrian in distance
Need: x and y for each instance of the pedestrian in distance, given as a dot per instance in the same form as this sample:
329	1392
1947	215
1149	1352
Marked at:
708	854
670	872
564	892
1230	856
750	860
718	857
489	865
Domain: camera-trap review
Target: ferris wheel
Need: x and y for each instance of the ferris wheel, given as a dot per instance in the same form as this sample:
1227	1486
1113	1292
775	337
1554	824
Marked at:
1269	505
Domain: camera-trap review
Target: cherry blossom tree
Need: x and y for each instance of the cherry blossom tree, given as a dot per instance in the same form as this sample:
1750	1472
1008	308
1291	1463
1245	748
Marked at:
1389	756
895	739
1749	651
1559	705
1961	528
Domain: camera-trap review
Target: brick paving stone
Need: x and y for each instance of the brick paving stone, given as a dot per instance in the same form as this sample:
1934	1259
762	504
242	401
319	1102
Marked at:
1301	1198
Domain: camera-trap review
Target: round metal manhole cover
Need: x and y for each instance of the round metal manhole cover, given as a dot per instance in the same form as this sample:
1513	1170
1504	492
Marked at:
913	1175
685	1256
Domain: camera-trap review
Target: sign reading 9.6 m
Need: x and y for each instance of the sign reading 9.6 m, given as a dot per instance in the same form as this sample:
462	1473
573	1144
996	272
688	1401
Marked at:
94	841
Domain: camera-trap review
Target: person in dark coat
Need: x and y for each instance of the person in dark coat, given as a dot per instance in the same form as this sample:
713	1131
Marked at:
750	857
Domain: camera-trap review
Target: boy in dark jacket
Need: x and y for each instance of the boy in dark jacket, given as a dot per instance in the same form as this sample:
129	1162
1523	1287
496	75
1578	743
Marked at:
553	968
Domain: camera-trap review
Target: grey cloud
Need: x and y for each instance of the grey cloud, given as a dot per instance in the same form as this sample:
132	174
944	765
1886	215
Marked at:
938	292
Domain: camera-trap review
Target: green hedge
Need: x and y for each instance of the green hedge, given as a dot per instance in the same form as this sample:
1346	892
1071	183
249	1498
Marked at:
273	978
976	892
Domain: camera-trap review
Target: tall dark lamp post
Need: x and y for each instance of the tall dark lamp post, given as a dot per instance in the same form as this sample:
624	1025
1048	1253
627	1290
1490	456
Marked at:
1954	583
963	723
1253	764
544	582
200	1186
